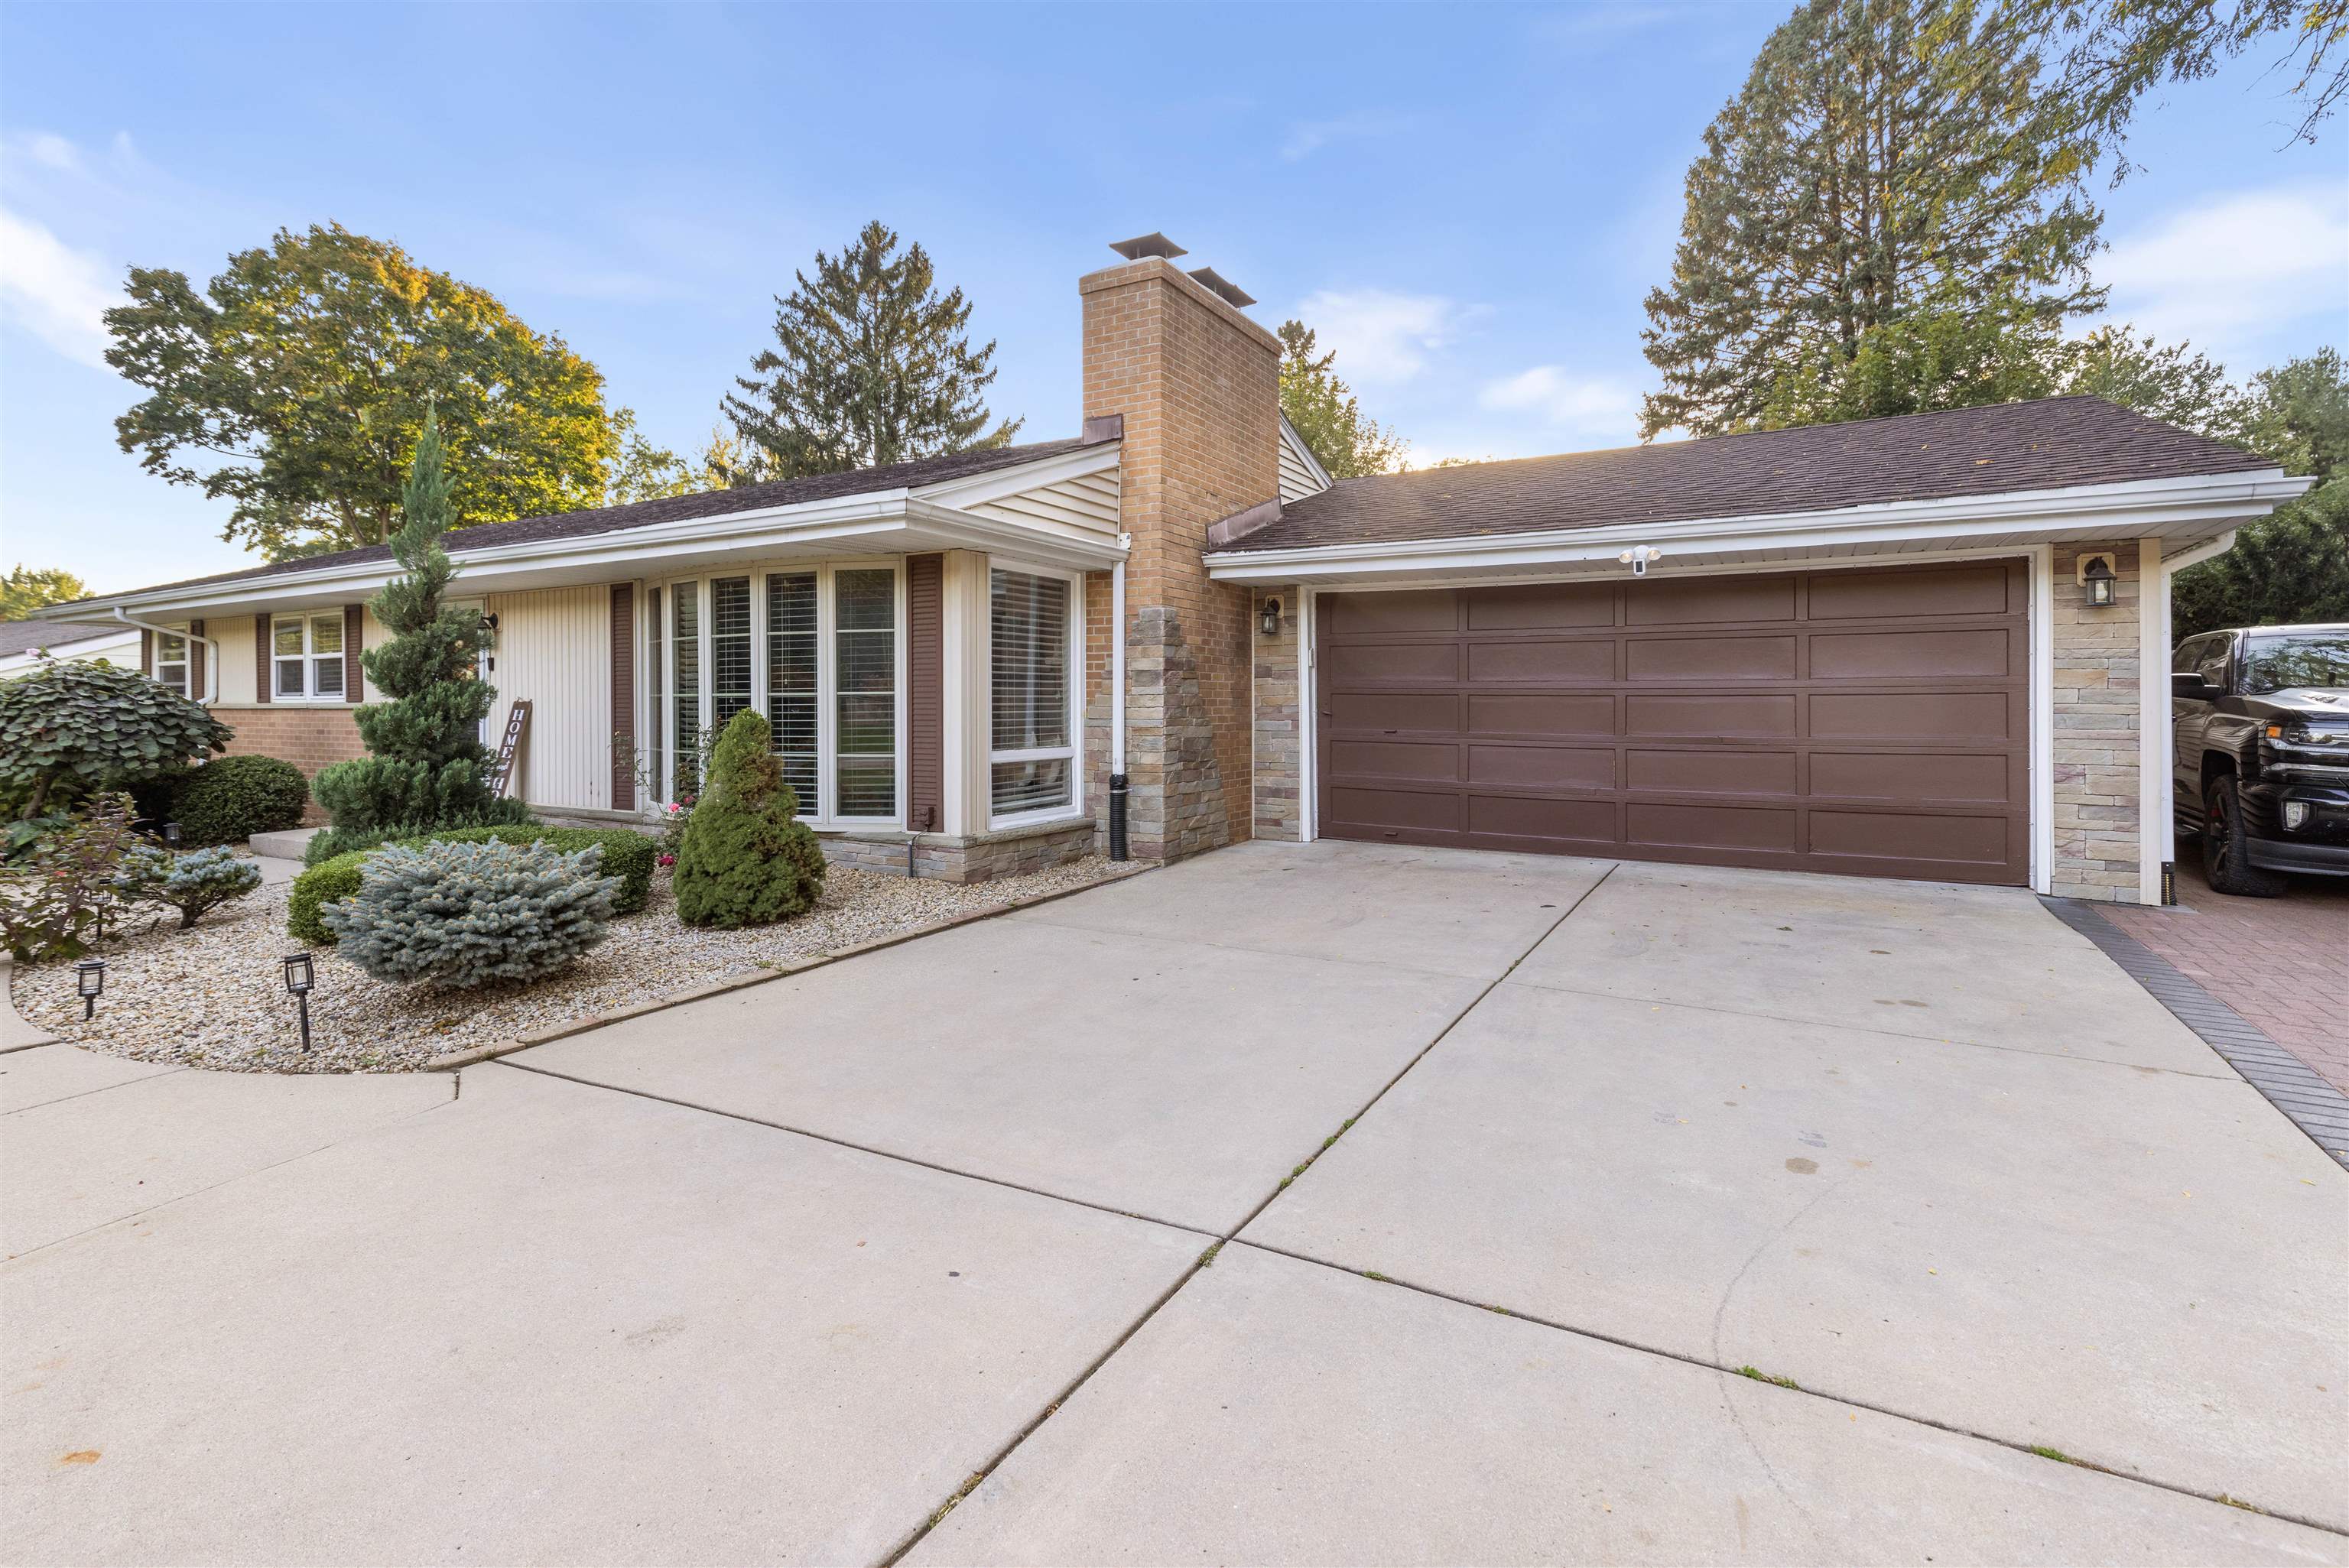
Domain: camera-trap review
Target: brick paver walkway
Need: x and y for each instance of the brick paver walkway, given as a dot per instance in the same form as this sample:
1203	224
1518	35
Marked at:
2282	962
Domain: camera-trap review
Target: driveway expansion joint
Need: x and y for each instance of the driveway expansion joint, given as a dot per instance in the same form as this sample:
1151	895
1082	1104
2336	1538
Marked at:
1788	1386
2286	1082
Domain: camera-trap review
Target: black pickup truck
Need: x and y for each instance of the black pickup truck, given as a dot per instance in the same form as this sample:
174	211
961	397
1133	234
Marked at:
2261	731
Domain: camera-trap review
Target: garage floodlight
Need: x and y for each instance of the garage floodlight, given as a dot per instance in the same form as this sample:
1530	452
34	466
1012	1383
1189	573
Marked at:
1637	557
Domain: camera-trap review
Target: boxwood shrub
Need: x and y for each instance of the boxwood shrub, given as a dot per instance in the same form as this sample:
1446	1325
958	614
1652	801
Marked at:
233	797
627	855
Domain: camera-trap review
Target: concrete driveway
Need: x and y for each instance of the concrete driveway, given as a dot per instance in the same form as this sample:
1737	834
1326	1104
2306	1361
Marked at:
1013	1219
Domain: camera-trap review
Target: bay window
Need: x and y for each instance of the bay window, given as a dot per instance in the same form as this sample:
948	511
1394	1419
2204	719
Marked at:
820	651
307	655
1034	694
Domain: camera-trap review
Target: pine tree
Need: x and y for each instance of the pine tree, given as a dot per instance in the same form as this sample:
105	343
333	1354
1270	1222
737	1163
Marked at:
426	766
1885	155
870	367
1325	413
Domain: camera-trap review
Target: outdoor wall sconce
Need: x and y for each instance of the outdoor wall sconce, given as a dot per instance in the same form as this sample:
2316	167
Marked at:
89	979
2099	588
1271	619
298	979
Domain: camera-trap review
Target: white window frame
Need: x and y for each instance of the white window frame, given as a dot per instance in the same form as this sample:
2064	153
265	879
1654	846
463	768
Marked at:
1074	751
310	656
824	810
183	664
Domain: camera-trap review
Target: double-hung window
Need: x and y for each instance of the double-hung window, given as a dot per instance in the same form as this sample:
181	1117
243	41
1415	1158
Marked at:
818	650
307	657
172	661
1034	694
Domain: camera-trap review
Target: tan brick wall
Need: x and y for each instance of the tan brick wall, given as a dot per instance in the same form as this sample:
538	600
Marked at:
1199	385
1279	731
2097	695
309	737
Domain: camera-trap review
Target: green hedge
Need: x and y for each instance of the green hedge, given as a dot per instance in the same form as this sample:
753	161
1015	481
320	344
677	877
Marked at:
232	798
627	855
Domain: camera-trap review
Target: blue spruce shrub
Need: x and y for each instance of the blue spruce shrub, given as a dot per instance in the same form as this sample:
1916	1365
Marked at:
205	880
460	915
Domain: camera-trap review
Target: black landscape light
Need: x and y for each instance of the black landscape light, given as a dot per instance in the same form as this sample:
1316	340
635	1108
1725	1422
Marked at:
1271	617
171	835
299	980
89	979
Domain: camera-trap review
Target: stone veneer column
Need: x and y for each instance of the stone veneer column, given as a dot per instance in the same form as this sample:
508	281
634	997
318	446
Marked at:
1199	385
2098	694
1279	728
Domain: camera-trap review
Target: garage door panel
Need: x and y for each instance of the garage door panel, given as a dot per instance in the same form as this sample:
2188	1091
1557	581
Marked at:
1541	714
1542	767
1709	658
1551	663
1873	721
1980	717
1713	772
1987	654
1971	590
1374	663
1429	811
1690	827
1436	762
1529	817
1540	606
1387	711
1710	601
1910	837
1741	715
1914	776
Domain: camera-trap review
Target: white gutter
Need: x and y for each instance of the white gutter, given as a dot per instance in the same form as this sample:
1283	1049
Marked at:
211	663
2126	510
1117	664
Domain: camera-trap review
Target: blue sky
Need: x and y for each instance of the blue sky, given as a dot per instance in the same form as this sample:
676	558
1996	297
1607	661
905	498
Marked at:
1468	202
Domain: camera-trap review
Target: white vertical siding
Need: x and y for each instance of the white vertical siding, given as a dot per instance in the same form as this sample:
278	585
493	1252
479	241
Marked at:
555	648
234	635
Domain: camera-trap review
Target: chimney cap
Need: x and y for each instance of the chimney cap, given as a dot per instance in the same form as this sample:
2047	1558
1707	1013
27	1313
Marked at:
1223	288
1143	246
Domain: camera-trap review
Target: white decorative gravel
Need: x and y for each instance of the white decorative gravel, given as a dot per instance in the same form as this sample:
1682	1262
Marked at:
215	996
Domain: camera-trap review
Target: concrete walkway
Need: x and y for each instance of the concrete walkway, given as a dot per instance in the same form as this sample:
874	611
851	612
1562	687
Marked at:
1012	1218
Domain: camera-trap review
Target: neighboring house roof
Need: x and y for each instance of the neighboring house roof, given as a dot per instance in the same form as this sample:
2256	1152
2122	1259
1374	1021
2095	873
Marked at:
678	508
2050	444
23	636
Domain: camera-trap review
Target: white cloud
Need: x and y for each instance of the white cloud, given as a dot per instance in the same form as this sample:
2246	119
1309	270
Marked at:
2223	274
1381	337
57	293
1588	405
1309	137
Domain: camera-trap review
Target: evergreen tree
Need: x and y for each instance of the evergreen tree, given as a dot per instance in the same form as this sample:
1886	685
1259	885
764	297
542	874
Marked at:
2290	567
870	367
1883	157
1323	409
746	860
426	767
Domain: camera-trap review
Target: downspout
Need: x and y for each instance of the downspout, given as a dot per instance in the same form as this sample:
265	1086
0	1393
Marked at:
1117	850
212	663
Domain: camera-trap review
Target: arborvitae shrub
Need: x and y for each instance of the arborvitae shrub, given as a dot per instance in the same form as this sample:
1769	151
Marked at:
746	860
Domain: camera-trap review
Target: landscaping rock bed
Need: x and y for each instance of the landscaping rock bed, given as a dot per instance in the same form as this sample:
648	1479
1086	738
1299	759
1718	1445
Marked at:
215	996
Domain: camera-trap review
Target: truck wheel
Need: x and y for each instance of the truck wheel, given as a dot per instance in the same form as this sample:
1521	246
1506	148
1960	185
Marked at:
2225	863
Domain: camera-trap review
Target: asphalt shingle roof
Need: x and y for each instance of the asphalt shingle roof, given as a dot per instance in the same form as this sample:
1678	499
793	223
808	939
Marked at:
23	636
675	508
2050	444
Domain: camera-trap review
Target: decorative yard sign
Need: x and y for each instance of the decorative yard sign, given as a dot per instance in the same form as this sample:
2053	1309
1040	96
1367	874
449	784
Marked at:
517	722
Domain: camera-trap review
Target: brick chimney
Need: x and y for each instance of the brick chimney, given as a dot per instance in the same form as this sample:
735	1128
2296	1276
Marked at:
1199	385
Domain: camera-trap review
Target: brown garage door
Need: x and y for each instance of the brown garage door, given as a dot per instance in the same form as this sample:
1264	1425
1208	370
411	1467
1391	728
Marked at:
1870	721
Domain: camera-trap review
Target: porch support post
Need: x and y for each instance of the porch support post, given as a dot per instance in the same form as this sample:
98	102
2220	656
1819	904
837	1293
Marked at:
2156	841
963	692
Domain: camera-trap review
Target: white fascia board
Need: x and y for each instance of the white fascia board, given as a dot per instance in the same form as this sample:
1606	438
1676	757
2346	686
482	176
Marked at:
998	483
2129	510
1304	450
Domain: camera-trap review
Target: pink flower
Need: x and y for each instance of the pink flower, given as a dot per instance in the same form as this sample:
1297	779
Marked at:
668	860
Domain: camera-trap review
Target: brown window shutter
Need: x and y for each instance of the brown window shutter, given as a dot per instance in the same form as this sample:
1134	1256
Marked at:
926	694
146	652
354	672
624	697
195	661
263	677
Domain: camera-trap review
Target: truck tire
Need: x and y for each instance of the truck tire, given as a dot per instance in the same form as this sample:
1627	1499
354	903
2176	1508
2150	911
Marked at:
2226	862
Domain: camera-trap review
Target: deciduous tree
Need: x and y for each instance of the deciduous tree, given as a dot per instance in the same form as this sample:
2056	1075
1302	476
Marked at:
294	385
28	588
